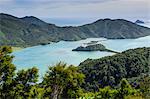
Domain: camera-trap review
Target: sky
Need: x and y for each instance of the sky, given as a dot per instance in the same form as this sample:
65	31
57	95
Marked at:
77	12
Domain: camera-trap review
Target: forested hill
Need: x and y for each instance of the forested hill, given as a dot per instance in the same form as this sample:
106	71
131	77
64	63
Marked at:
111	69
62	81
30	31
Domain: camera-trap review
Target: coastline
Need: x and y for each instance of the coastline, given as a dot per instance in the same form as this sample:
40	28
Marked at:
16	48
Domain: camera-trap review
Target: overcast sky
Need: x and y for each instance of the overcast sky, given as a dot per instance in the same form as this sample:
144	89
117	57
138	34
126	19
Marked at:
77	12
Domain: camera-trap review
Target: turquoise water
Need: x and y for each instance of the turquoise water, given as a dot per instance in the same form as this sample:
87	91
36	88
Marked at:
44	56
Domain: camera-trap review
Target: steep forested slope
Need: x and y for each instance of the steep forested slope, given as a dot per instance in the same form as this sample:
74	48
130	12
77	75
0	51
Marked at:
111	69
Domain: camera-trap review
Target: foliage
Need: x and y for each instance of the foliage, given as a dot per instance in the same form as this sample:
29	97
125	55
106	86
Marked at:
107	92
125	89
145	86
68	82
25	81
62	78
134	97
14	85
108	71
7	71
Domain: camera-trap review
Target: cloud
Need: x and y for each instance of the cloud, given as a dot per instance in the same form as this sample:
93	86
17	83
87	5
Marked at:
78	9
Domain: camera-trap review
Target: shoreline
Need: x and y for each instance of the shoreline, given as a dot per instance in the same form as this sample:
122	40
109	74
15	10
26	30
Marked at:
14	49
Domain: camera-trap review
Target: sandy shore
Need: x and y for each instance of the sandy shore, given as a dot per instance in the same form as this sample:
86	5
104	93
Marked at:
16	48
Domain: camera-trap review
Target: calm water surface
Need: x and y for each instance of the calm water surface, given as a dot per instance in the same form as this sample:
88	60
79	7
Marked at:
48	55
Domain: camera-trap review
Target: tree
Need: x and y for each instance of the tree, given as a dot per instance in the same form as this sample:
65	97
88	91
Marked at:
145	86
62	78
36	92
125	89
107	93
25	81
109	70
7	72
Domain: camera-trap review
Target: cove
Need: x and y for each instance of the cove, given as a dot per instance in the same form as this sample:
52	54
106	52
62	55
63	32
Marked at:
48	55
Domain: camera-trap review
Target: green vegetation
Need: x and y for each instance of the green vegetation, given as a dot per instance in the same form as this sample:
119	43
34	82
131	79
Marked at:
69	82
108	71
94	47
31	31
62	79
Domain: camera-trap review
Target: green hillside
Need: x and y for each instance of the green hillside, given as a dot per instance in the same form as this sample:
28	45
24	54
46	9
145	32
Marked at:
105	78
108	71
30	31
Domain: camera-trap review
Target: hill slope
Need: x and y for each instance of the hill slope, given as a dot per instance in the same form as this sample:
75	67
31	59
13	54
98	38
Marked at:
30	31
111	69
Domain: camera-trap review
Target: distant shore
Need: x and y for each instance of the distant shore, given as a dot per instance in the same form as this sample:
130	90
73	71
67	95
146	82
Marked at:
16	48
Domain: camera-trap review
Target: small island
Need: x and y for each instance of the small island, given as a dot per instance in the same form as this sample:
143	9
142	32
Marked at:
91	43
94	47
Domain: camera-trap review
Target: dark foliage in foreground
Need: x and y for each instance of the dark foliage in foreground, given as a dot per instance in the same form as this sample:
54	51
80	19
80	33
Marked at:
63	82
108	71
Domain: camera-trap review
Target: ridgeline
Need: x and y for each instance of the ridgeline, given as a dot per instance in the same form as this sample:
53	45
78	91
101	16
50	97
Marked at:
31	31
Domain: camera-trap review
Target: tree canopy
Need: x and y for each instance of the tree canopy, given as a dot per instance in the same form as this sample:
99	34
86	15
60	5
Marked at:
70	82
108	71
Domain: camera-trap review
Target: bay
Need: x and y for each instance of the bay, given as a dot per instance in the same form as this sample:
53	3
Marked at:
48	55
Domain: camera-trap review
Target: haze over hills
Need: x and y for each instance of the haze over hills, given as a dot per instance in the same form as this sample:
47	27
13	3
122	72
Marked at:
30	31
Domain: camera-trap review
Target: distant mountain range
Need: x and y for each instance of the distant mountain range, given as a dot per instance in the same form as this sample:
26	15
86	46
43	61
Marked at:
31	31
